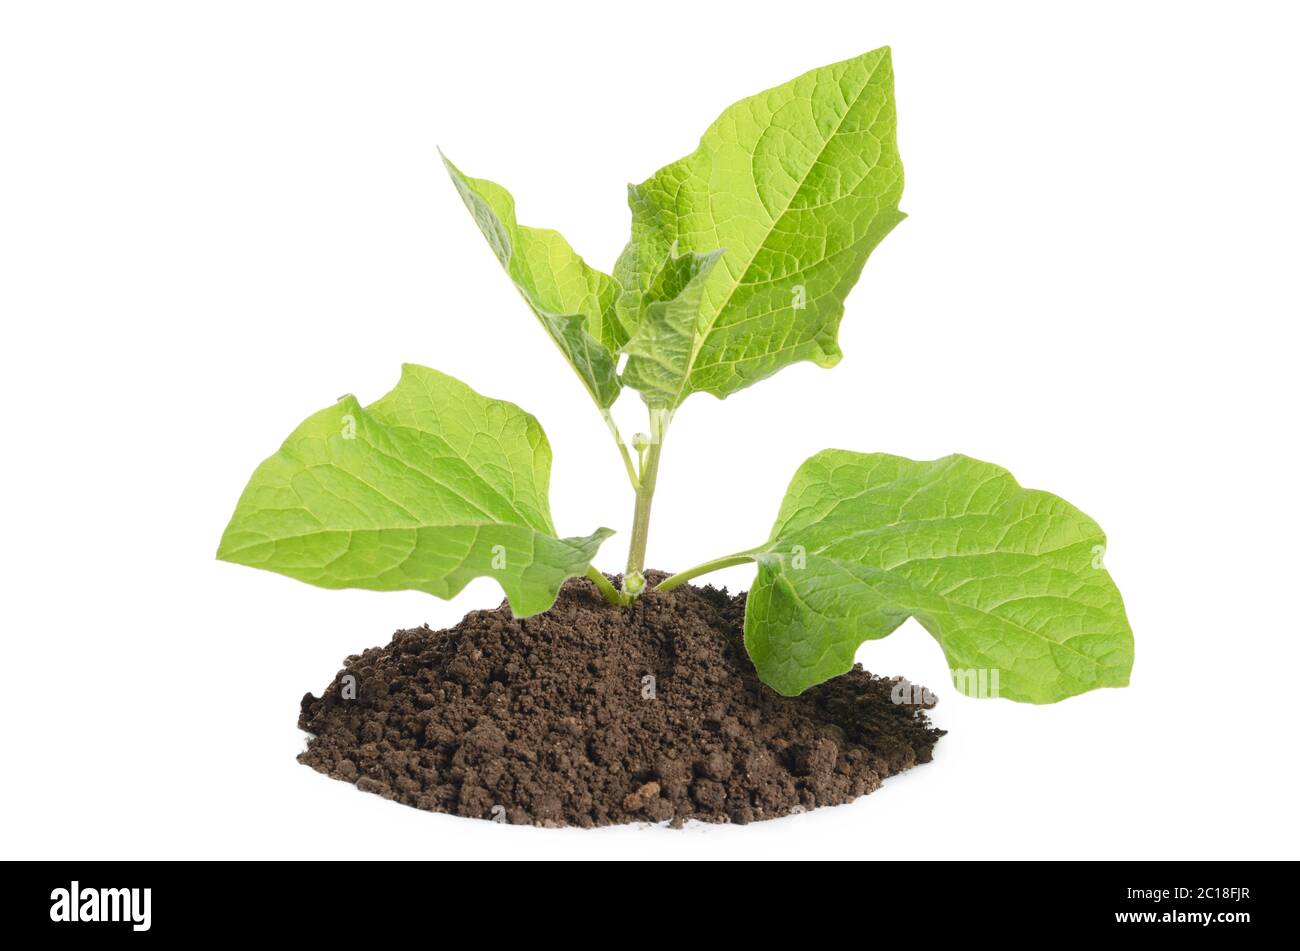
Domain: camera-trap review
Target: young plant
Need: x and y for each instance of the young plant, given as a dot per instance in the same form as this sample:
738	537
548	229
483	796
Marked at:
739	263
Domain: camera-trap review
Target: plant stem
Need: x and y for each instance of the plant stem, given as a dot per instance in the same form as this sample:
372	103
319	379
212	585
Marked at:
645	492
607	590
641	516
715	565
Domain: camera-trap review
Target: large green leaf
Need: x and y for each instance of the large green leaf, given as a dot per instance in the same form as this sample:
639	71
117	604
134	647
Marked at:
797	184
1008	580
574	302
428	488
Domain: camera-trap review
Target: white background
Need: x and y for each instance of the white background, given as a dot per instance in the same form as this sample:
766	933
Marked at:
217	218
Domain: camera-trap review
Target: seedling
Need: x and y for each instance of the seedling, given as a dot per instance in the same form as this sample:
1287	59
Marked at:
740	260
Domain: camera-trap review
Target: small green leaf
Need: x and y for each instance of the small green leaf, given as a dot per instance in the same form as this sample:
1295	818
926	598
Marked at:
798	184
1007	579
574	302
426	489
660	349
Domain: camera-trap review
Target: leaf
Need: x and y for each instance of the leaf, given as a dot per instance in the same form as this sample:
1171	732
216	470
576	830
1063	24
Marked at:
1006	579
798	184
659	351
574	302
426	489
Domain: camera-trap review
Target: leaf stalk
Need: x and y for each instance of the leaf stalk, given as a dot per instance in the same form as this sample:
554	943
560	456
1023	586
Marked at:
606	589
622	450
717	564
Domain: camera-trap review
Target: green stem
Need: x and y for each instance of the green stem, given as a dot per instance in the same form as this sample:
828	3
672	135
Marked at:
641	516
622	450
607	590
633	580
716	564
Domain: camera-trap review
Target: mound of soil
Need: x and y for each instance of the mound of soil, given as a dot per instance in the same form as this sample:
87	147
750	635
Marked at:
590	715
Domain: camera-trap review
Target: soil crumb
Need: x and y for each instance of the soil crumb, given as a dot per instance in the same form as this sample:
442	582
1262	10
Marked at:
589	715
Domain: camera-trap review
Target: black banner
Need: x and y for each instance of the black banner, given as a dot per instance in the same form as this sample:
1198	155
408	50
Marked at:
908	900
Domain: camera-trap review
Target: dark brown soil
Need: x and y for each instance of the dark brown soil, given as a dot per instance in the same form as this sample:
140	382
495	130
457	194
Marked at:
555	720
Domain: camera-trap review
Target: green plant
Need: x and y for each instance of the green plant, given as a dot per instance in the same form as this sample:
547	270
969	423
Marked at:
740	259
